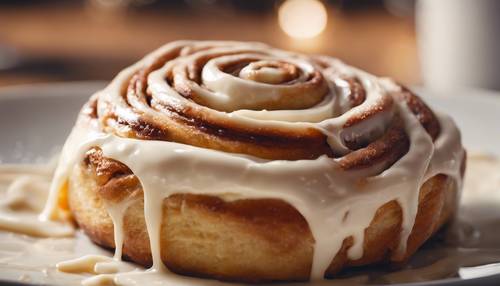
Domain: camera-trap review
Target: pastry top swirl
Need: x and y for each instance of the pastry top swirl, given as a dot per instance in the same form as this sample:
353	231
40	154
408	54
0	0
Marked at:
251	99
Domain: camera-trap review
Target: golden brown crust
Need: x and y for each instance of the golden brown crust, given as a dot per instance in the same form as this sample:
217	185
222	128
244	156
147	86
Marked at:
243	240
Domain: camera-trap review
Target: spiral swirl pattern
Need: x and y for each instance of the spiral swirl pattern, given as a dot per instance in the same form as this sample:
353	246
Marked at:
251	99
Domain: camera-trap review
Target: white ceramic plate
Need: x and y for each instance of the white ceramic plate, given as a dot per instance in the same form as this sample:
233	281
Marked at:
35	120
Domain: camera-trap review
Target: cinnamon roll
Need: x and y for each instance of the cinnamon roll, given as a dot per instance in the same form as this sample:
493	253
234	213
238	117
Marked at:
242	162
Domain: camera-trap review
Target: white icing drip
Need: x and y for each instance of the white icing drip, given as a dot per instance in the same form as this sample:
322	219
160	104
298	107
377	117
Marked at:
70	153
448	155
153	214
116	212
412	168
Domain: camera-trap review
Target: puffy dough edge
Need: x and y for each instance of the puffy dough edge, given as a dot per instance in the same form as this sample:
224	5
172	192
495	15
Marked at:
256	240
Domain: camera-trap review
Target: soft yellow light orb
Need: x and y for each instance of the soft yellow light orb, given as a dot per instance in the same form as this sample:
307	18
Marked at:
302	18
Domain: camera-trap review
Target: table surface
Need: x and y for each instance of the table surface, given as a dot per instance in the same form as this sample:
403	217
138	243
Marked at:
66	43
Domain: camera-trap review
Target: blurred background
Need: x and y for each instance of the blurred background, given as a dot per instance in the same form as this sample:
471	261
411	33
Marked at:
47	41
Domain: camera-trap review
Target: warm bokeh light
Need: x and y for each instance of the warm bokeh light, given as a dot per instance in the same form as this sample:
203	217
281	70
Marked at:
302	18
